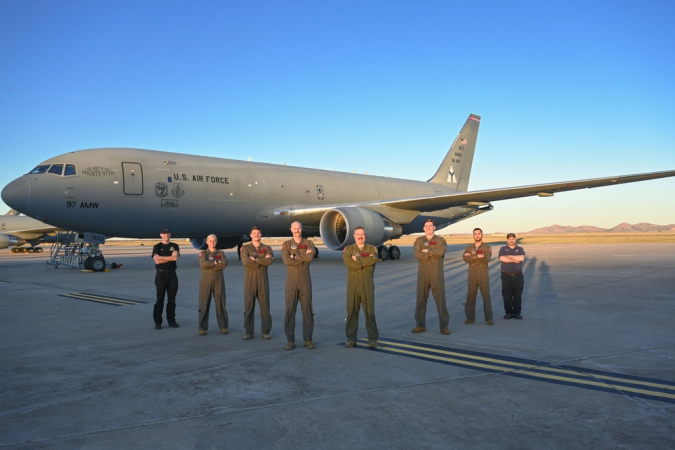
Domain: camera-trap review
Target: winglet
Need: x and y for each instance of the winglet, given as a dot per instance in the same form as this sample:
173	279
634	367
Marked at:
455	169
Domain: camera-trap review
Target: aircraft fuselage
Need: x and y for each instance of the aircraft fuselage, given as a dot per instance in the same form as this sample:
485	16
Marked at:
133	193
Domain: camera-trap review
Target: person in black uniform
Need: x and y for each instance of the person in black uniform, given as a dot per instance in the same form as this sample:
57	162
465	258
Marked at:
165	254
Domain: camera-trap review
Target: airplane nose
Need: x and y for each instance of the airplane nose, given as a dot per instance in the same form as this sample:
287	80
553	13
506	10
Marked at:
17	195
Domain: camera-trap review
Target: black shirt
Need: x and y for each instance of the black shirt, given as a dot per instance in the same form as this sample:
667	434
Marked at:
162	249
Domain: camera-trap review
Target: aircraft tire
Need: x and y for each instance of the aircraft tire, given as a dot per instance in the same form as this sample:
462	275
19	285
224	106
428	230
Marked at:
97	264
15	250
23	249
31	250
383	252
394	252
87	263
316	252
39	250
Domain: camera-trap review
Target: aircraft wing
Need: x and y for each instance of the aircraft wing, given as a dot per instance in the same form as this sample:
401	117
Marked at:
405	210
42	230
434	203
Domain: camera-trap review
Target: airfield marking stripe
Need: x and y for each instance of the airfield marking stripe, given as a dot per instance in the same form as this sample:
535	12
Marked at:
535	366
109	298
535	375
446	359
106	299
101	299
446	352
93	300
578	379
428	347
79	297
621	381
599	384
651	395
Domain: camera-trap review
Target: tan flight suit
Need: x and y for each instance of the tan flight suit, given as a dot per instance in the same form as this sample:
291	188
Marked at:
212	283
430	276
256	285
479	277
298	287
360	289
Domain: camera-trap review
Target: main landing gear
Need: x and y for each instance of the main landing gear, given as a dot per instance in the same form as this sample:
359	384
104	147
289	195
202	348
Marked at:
391	252
27	250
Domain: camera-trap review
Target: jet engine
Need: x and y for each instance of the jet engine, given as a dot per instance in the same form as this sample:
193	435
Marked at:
337	227
224	242
10	241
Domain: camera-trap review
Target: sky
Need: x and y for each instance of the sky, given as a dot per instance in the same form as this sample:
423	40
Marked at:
566	91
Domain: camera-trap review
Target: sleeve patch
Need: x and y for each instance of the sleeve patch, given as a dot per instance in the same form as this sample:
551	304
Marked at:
201	254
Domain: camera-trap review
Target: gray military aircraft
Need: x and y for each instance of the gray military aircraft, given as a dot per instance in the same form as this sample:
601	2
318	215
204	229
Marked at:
17	230
132	193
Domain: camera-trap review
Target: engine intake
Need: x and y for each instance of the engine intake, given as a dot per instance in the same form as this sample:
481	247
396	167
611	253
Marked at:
337	227
10	241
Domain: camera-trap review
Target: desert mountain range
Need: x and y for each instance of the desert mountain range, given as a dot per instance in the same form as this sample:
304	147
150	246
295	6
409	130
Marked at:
621	228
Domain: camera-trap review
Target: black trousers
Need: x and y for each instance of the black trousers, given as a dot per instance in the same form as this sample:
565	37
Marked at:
512	291
165	282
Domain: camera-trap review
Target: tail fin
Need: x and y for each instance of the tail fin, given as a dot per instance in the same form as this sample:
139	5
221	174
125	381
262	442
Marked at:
455	169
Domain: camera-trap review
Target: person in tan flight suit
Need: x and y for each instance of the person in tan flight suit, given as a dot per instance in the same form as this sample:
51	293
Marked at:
212	262
429	250
256	257
478	255
360	259
297	253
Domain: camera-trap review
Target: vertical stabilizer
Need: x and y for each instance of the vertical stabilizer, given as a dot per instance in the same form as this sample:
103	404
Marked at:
455	169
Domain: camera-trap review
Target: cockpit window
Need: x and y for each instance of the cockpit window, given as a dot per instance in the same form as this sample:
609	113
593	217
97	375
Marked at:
40	169
57	169
70	170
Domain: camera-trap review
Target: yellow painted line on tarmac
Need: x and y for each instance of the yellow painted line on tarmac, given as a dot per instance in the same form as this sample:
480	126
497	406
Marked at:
590	380
543	368
102	299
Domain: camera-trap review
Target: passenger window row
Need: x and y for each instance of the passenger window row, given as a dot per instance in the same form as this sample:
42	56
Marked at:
56	169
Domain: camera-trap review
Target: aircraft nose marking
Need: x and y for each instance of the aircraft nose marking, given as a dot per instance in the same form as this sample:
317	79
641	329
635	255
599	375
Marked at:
17	195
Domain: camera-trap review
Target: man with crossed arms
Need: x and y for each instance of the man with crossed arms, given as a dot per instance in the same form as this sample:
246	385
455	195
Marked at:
429	251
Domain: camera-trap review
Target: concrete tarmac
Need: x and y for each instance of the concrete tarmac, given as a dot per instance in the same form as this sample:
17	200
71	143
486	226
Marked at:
591	365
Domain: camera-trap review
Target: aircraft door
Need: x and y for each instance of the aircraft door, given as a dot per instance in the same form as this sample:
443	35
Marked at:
133	178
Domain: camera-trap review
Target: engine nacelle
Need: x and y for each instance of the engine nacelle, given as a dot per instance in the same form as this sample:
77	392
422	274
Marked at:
337	227
224	242
10	241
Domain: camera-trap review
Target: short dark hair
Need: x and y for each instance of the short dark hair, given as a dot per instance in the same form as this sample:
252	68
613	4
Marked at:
359	228
430	220
474	230
510	234
254	228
